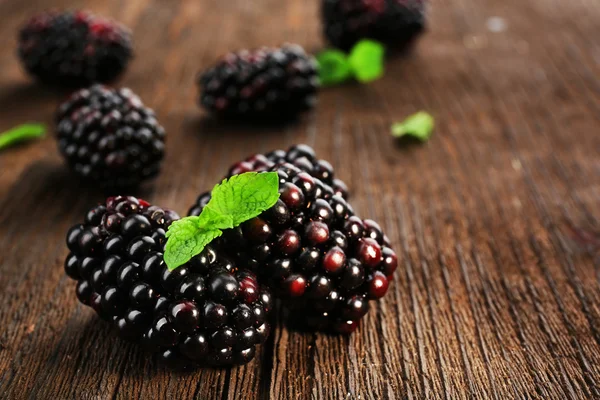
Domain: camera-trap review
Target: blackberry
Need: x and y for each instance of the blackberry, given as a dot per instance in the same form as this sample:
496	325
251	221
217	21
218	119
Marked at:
74	48
269	83
109	137
206	312
298	158
309	248
395	23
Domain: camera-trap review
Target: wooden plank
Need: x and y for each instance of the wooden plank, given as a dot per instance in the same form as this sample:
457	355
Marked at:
498	292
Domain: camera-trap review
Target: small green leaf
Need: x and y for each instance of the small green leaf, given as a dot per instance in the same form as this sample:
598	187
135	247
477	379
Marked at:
334	67
233	201
419	125
21	133
211	219
245	196
366	60
186	239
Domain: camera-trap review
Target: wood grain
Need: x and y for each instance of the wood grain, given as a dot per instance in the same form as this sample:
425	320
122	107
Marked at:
496	219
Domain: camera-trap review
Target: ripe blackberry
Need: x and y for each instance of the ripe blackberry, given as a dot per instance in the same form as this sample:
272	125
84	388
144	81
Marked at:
393	22
299	158
109	137
74	48
272	83
206	312
311	250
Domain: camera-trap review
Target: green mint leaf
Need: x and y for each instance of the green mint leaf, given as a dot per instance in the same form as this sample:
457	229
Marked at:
186	239
366	60
211	219
245	196
21	133
419	125
334	67
233	201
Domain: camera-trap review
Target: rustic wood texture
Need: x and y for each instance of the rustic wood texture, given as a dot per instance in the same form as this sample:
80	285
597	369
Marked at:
496	219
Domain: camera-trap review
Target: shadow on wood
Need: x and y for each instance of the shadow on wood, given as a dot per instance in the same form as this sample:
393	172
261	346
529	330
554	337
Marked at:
46	180
26	98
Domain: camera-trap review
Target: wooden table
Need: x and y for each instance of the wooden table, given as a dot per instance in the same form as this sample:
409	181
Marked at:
496	219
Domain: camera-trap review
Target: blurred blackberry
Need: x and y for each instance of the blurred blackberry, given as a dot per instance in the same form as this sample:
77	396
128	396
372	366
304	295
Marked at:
312	251
395	23
74	48
206	312
109	137
267	83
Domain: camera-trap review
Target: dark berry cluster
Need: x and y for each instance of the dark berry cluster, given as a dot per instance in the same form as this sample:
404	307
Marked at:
206	312
266	83
74	48
300	156
393	22
310	248
109	137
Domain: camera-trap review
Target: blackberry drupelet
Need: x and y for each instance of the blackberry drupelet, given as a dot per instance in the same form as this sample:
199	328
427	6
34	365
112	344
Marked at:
268	84
74	48
109	137
206	312
310	249
395	23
